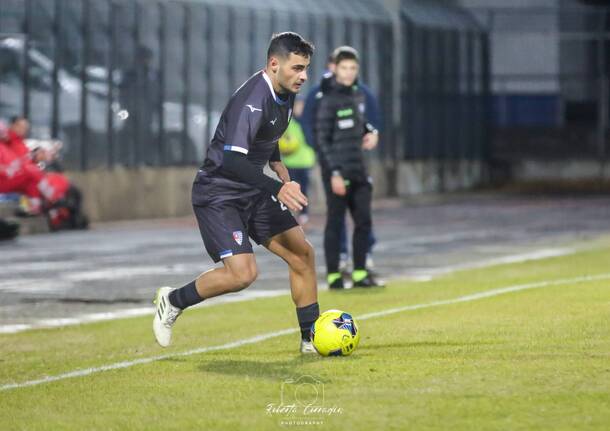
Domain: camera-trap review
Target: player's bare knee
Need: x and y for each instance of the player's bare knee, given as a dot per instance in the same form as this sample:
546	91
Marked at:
243	278
308	254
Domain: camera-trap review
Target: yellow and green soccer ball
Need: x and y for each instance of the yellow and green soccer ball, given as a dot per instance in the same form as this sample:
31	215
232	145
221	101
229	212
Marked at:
335	333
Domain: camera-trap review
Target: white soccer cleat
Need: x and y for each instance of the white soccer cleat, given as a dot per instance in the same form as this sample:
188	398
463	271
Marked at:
307	347
165	316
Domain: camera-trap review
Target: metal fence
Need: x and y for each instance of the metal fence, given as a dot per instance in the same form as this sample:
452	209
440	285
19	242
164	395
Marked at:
142	82
139	82
445	85
550	81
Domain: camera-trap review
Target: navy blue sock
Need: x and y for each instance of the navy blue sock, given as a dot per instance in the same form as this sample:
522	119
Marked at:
307	316
185	296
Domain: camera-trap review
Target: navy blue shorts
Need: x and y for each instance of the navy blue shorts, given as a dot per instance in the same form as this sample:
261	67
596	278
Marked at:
226	225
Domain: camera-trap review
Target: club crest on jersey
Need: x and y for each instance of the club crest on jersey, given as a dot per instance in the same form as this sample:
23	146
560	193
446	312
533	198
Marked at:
238	236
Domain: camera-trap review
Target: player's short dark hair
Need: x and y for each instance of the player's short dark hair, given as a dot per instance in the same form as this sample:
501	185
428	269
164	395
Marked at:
288	42
345	53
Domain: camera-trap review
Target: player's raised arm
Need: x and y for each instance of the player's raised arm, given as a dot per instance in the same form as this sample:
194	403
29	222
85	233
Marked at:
243	122
238	166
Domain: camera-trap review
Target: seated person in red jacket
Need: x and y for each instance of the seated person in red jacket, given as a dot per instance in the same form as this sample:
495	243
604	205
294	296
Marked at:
18	130
19	172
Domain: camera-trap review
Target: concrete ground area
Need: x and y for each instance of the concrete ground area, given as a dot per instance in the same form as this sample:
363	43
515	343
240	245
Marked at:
113	269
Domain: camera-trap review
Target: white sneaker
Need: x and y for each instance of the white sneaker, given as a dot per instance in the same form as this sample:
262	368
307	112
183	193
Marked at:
165	316
307	347
370	264
343	265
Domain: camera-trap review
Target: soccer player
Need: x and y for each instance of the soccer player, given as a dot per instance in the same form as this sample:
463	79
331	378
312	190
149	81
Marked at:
233	199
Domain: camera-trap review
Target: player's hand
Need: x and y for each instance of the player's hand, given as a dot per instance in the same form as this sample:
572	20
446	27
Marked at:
370	141
337	184
290	195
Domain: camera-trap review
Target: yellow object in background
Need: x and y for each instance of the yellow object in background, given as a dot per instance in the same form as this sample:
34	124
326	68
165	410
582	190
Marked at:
295	152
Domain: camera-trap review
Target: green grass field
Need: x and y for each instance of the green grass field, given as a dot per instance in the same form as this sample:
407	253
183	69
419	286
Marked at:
536	358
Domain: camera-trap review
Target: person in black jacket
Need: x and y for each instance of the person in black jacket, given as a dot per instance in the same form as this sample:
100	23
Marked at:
307	119
342	133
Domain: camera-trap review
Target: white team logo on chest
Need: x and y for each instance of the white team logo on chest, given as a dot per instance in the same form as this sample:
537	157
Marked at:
273	121
252	108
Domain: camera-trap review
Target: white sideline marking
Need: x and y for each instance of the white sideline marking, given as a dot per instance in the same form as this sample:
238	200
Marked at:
77	320
413	275
127	364
415	241
489	293
117	273
269	335
133	312
429	274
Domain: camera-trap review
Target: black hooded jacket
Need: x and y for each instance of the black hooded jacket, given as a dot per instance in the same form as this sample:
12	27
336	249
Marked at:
339	127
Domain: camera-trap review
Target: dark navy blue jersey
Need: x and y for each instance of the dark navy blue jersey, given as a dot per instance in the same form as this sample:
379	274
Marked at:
252	123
